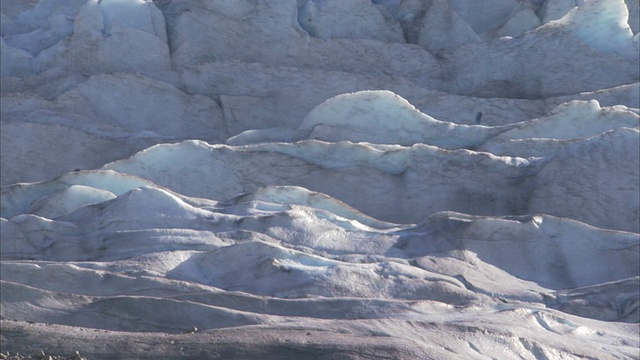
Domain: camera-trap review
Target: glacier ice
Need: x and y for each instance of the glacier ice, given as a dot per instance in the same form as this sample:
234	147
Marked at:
306	178
433	25
600	24
328	20
383	117
523	21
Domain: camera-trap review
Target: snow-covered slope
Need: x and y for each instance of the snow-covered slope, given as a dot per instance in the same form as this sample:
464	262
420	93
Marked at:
320	179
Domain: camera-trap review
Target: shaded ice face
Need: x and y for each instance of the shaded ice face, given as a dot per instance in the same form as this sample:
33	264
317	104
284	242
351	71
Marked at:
601	24
130	14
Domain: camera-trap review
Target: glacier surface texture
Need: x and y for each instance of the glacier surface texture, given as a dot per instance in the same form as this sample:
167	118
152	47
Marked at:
320	179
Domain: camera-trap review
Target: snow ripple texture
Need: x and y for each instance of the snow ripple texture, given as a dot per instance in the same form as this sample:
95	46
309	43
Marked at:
328	179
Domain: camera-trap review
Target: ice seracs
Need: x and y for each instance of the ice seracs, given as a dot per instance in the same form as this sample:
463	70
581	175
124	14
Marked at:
433	25
602	24
327	20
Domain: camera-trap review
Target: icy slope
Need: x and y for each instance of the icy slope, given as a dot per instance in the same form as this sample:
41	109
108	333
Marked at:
218	265
423	178
320	179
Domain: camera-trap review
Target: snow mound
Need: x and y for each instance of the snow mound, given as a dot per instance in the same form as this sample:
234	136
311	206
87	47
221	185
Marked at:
385	118
149	217
167	241
280	272
301	196
67	200
18	198
382	117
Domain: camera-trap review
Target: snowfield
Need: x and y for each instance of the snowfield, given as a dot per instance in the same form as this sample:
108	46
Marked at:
320	179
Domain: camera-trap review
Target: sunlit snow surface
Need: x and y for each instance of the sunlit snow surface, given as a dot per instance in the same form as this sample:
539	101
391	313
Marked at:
321	179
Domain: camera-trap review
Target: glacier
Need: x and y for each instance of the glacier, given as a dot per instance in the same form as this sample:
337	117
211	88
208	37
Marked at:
320	179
